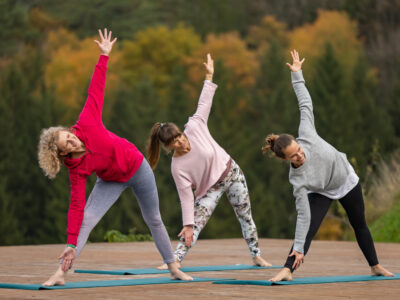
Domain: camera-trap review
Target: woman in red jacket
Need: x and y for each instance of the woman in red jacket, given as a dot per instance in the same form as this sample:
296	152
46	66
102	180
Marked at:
89	147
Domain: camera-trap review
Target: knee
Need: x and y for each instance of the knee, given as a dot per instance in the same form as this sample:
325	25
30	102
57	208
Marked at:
154	221
360	227
90	220
243	210
312	231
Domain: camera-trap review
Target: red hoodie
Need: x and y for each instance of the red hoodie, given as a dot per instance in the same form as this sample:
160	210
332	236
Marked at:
112	158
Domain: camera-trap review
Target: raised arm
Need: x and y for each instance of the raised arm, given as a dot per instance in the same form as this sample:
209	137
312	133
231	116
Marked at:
207	94
307	127
92	111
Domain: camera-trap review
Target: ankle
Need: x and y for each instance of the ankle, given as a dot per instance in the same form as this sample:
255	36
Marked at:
375	267
60	272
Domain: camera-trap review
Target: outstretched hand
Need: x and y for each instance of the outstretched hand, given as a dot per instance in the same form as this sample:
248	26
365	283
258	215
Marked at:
299	259
68	256
187	232
209	65
296	65
105	44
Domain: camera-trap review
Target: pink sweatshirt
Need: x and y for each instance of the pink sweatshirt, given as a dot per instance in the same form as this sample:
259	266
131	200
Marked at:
203	165
112	158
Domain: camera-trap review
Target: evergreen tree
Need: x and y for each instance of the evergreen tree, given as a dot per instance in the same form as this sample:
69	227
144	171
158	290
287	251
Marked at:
336	111
375	133
274	109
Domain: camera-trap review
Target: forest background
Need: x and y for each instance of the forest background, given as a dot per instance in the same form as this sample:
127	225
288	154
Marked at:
352	69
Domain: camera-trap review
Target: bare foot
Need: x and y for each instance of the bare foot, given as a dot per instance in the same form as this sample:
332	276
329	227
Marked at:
176	273
283	275
165	266
378	270
259	261
58	278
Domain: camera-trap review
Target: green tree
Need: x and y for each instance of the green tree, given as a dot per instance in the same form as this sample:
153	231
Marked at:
24	112
273	110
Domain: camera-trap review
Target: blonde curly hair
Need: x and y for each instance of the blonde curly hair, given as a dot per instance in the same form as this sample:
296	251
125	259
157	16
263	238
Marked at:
49	157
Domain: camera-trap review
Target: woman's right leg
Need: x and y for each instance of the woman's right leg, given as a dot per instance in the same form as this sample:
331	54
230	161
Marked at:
102	197
203	209
319	206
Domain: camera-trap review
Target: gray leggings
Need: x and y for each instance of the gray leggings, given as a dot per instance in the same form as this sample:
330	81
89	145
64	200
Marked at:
104	195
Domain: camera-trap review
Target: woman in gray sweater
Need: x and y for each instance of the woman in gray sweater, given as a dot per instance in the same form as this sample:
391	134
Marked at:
319	174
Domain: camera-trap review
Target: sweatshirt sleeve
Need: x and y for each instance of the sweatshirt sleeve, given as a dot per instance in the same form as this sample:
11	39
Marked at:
205	101
307	126
76	206
187	204
186	196
303	218
92	111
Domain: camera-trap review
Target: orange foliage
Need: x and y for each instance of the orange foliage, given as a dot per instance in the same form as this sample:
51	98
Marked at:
270	29
71	66
231	50
331	27
42	21
331	229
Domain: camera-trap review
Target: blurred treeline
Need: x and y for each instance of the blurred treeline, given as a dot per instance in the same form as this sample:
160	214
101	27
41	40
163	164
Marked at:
155	73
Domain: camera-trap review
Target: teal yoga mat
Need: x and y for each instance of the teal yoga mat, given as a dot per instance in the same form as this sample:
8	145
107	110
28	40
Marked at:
310	280
105	283
184	269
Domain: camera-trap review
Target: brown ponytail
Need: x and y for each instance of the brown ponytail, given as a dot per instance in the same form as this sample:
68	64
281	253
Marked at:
153	146
276	143
161	132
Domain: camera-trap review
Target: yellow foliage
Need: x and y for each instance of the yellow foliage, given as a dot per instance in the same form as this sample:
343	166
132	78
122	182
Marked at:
61	38
331	27
231	50
154	53
71	65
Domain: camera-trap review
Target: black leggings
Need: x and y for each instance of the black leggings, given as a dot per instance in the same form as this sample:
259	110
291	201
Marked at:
353	203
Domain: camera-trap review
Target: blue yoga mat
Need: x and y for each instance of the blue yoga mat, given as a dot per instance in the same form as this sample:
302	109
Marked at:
310	280
184	269
105	283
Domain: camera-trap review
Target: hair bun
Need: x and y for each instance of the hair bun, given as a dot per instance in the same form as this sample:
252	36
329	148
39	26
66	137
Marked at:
270	142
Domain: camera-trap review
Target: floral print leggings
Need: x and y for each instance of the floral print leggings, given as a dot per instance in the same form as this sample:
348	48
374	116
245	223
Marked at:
235	187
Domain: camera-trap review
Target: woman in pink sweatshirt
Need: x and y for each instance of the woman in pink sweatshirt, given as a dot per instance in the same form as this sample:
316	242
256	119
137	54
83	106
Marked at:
88	147
199	163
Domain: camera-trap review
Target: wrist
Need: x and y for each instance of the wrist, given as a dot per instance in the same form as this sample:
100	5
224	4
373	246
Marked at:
209	77
105	54
71	246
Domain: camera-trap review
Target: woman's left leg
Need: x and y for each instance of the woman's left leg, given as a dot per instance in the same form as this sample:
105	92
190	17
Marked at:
238	196
144	186
353	203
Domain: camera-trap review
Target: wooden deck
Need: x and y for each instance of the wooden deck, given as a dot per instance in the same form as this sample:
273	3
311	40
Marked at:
34	264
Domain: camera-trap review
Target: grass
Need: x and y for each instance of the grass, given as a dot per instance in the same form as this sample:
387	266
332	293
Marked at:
114	236
387	227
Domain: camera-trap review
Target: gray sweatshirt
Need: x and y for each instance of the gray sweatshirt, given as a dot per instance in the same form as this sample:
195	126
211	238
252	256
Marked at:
325	171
